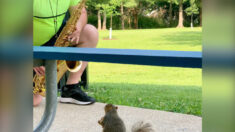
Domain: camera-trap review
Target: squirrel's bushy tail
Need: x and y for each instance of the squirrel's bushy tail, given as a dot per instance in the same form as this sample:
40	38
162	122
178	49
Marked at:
141	126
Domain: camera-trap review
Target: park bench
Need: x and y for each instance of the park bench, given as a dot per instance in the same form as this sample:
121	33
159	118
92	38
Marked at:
47	56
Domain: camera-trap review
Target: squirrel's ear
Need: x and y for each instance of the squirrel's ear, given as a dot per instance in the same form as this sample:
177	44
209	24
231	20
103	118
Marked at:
116	107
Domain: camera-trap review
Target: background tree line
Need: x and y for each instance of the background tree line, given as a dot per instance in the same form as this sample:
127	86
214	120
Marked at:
141	14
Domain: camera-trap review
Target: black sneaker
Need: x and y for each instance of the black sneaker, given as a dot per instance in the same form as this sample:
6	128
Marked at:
74	94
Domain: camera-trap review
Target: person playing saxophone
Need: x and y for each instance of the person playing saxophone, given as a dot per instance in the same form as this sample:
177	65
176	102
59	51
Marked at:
48	22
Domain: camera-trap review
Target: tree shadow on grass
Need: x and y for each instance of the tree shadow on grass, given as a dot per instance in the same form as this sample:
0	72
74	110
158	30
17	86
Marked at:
180	99
189	38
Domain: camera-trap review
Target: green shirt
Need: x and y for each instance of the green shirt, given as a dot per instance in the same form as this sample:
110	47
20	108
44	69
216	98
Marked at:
44	15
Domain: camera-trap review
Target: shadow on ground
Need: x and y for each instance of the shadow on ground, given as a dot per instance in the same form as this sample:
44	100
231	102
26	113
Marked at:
184	38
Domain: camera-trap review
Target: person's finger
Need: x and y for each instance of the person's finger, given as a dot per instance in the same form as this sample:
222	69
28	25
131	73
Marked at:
69	38
37	72
73	40
77	41
42	70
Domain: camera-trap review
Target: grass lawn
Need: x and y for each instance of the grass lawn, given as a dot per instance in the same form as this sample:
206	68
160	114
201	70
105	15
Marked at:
160	88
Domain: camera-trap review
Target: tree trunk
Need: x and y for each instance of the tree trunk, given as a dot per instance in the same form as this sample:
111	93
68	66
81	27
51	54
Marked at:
201	16
99	20
122	16
181	17
170	13
136	18
111	21
104	21
129	18
129	22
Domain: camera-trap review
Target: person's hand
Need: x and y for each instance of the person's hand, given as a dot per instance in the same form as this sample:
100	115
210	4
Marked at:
40	70
75	37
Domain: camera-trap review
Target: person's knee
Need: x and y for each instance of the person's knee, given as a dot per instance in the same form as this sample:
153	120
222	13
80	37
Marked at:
92	35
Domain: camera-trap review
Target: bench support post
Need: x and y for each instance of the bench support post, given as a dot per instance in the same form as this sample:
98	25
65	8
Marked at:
51	96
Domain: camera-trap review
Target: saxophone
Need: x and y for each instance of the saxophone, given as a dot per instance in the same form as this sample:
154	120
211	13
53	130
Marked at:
62	41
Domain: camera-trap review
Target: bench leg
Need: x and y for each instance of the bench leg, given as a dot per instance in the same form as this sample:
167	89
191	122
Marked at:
51	96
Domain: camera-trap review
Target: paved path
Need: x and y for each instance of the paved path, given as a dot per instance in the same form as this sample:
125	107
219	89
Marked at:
74	118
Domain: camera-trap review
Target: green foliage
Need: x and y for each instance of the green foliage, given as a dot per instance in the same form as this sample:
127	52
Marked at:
92	19
193	9
97	4
178	1
148	23
144	22
130	4
110	7
142	8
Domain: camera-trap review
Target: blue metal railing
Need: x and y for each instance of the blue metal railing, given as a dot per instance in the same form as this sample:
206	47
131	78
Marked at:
187	59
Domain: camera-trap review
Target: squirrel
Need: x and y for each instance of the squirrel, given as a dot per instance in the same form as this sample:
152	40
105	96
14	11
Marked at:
111	122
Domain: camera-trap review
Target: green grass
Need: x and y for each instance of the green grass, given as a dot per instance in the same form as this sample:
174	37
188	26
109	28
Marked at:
160	88
157	39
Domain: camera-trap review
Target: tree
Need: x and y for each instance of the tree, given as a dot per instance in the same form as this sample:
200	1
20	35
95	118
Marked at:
192	10
122	3
181	15
109	10
199	4
170	11
164	12
130	5
113	4
97	4
137	7
99	20
105	9
122	15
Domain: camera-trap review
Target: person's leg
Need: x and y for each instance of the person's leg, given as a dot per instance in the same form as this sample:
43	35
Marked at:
89	39
72	92
37	99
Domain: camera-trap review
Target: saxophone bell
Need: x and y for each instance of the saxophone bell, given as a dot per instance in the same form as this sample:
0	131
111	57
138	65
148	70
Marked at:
73	66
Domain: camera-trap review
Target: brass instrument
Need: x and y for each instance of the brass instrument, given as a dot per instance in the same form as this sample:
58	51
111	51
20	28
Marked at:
62	41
